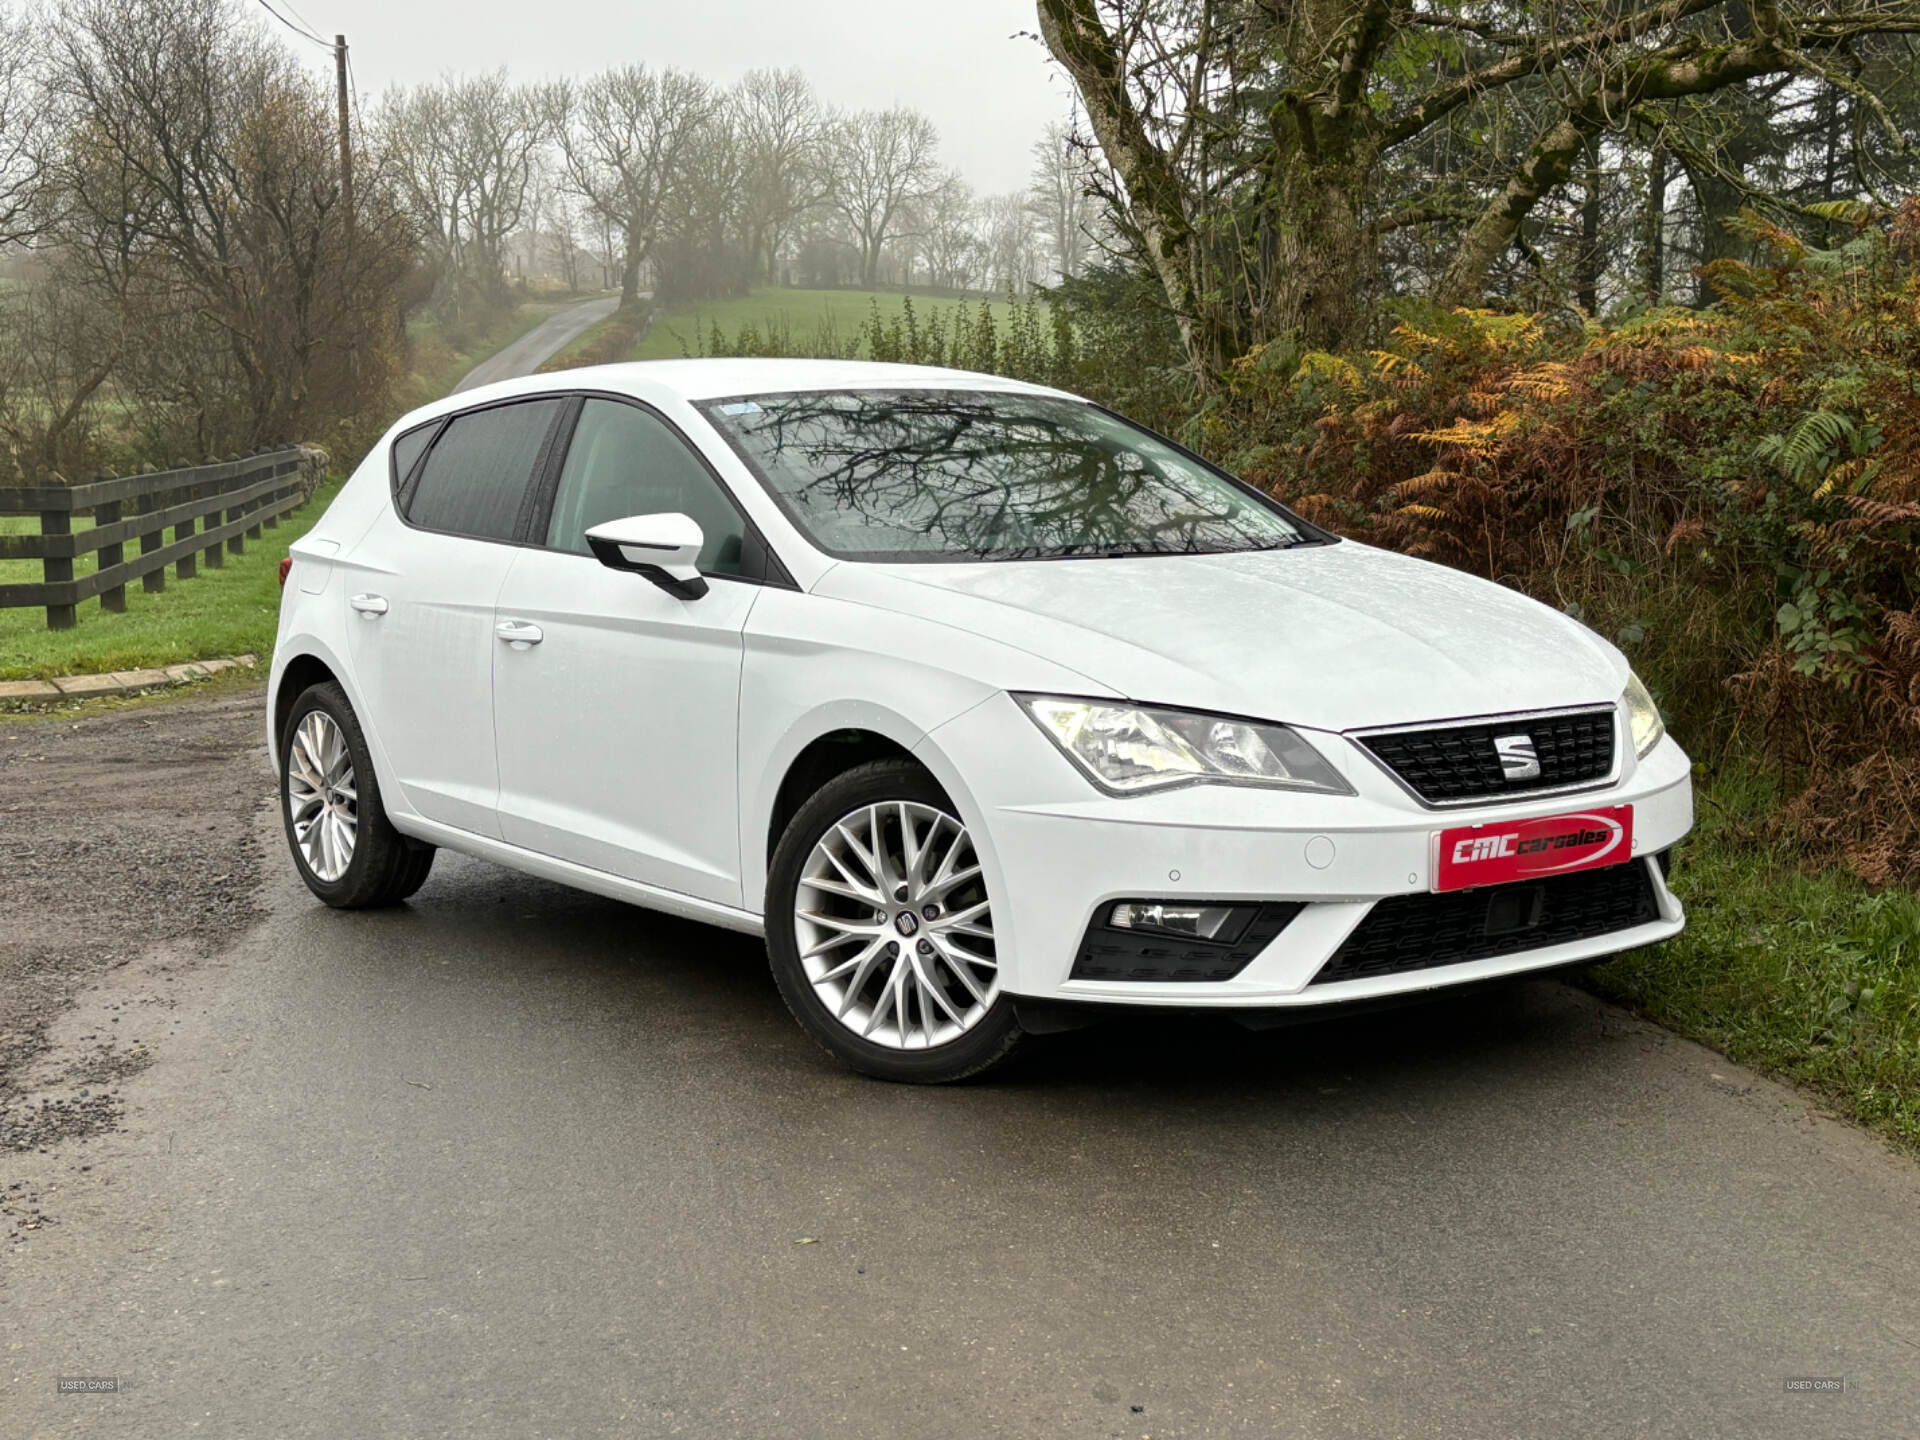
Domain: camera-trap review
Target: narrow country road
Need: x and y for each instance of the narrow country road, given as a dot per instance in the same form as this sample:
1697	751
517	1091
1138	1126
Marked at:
540	344
516	1161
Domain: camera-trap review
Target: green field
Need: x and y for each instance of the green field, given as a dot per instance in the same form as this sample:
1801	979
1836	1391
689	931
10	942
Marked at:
218	613
810	321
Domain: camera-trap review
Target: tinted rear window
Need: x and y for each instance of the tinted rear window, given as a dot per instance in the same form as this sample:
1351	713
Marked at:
478	472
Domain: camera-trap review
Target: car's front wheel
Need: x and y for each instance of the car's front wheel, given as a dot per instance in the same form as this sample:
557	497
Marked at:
343	844
880	929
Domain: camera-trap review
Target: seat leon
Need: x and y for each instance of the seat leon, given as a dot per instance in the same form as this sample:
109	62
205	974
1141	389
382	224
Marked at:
981	703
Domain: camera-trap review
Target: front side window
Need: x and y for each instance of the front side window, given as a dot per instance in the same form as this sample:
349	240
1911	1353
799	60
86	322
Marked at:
626	461
407	449
897	475
477	475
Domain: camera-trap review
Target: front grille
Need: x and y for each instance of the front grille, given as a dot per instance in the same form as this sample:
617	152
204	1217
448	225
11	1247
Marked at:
1109	953
1419	932
1448	764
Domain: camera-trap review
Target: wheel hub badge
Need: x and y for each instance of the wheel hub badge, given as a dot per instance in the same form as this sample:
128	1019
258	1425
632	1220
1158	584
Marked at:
906	922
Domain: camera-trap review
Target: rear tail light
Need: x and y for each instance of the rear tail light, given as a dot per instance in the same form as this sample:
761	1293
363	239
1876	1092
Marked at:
286	565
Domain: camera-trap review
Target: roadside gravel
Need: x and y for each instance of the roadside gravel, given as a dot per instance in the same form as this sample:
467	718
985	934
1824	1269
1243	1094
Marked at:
123	831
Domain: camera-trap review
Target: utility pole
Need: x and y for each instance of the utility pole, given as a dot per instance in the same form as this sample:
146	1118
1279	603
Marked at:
346	178
346	141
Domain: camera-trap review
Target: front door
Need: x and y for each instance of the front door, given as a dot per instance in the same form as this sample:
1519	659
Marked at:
616	704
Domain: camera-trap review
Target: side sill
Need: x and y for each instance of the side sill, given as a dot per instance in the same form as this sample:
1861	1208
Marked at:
580	877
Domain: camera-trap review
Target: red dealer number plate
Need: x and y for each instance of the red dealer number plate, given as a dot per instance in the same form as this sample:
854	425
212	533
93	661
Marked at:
1497	853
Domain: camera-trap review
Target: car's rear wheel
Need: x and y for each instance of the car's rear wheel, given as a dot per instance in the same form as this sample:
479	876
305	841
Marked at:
344	846
880	929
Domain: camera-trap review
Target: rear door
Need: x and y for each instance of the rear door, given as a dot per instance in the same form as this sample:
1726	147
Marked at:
422	586
617	704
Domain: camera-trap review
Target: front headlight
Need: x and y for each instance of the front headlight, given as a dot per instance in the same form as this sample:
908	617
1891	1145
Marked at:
1127	749
1643	717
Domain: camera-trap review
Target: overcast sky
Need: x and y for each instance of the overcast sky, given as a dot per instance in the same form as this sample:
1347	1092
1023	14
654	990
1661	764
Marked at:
990	94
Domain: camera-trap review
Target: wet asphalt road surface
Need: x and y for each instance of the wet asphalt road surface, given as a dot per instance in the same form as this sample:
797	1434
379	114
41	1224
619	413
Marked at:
514	1161
539	344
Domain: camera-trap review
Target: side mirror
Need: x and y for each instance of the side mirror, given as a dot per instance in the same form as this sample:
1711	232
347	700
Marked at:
664	548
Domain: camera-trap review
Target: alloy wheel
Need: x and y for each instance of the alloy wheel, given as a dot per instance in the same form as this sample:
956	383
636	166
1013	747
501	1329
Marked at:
894	926
323	805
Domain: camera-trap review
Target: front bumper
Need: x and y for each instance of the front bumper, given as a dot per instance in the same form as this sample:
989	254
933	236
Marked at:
1057	852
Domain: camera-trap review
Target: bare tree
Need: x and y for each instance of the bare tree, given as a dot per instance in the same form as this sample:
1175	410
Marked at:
1013	250
561	227
1061	198
60	343
953	247
414	129
703	249
625	137
467	151
604	246
883	161
785	173
499	130
197	190
22	130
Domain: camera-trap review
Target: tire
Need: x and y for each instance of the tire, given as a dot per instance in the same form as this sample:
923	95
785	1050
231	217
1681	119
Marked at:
941	972
382	866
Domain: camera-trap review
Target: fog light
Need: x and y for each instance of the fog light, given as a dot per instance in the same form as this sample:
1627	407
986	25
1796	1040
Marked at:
1198	922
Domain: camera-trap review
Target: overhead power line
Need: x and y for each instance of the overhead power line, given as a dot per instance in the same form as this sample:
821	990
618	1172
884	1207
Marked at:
302	33
295	11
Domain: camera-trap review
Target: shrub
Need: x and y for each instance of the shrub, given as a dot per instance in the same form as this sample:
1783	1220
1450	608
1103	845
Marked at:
1733	495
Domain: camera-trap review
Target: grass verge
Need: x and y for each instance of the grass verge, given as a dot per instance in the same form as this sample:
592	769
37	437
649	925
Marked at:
1808	976
606	342
227	682
221	612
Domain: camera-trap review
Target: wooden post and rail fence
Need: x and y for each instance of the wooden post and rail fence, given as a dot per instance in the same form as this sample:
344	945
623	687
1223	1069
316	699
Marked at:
211	510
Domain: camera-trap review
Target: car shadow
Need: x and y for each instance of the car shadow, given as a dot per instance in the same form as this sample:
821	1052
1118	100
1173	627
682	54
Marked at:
654	970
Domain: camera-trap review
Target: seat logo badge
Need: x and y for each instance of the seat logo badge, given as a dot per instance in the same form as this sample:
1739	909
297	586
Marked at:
1518	759
906	922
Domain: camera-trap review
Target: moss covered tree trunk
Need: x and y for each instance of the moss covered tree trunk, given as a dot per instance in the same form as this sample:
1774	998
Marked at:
1252	141
1325	263
1299	263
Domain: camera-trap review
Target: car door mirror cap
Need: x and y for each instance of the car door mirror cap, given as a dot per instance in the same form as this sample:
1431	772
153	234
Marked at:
663	548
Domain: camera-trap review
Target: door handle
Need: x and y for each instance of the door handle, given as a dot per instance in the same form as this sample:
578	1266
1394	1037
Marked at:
518	633
371	607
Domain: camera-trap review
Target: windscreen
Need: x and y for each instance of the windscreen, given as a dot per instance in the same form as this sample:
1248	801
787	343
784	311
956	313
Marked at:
986	475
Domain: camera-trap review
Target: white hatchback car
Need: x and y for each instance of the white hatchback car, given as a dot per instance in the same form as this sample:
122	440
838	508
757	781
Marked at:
979	701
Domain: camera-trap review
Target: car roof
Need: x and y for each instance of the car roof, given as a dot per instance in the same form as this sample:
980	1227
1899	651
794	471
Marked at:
710	379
